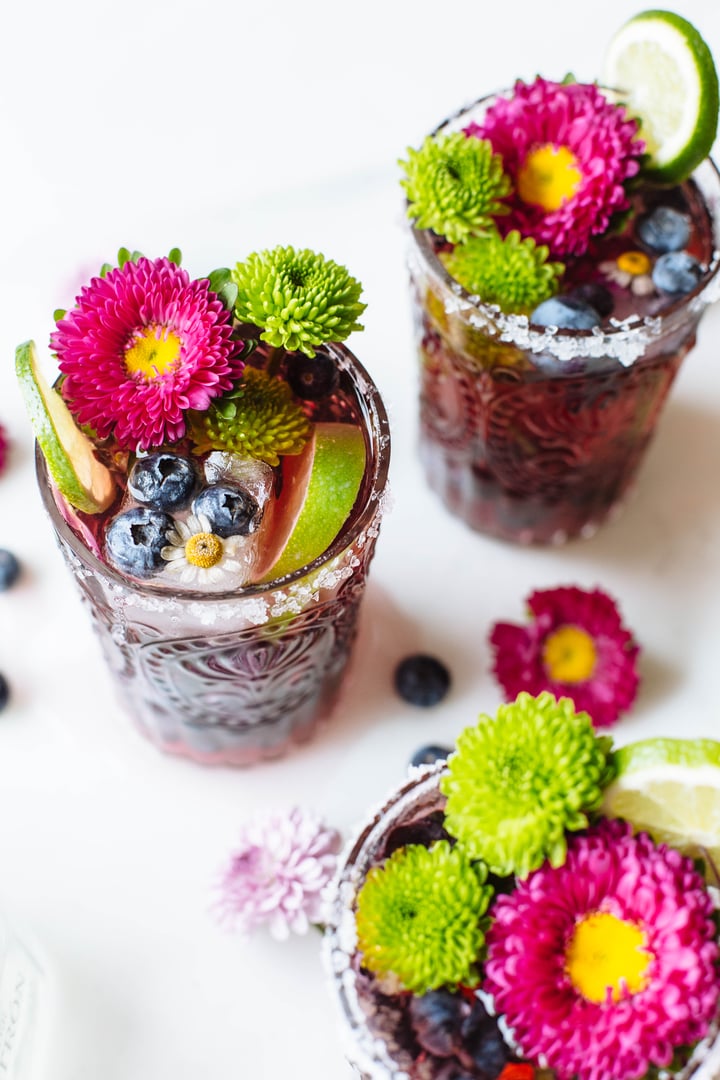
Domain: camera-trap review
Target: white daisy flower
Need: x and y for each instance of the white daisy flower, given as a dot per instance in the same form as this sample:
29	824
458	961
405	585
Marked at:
195	555
631	270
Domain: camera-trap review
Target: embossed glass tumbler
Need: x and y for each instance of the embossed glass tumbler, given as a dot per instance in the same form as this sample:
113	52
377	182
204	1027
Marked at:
535	435
234	678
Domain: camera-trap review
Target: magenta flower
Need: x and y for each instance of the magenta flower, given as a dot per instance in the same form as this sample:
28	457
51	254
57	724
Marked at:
142	346
3	448
608	963
276	874
575	646
568	152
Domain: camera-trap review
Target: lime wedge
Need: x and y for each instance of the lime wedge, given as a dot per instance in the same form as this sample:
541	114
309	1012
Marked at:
671	789
665	73
330	473
80	478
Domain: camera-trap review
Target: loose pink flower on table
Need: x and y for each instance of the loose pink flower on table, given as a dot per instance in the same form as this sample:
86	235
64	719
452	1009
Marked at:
143	345
606	964
276	875
568	152
575	646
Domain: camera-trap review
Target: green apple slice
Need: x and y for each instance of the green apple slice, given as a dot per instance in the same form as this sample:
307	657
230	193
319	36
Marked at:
81	479
318	495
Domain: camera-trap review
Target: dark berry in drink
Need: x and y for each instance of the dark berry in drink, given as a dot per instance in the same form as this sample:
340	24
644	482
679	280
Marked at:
425	831
436	1019
9	569
135	539
163	480
428	755
312	377
567	313
482	1046
677	272
422	680
597	296
664	229
230	509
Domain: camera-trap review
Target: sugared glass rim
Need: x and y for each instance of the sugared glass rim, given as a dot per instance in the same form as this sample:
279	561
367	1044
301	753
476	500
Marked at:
625	340
374	421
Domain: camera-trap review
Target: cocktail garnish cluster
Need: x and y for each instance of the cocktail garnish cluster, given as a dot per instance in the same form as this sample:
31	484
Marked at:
193	419
556	197
524	923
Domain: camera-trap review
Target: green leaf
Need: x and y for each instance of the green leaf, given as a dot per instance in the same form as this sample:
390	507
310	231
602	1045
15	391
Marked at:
59	314
228	294
217	278
105	269
123	256
226	408
175	256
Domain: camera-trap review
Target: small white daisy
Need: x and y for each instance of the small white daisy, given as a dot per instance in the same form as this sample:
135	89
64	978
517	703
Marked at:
631	270
196	556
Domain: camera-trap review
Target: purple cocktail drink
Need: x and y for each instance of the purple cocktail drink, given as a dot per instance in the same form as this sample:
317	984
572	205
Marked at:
224	568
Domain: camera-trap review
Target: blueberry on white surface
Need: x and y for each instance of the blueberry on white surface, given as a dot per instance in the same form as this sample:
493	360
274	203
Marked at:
676	272
163	480
428	755
664	229
422	680
230	509
135	538
567	313
9	569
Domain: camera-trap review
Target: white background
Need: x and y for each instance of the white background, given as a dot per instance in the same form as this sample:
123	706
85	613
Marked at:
223	128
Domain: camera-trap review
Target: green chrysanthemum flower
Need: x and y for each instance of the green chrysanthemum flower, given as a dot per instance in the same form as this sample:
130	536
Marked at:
258	417
420	916
512	273
299	298
454	184
520	779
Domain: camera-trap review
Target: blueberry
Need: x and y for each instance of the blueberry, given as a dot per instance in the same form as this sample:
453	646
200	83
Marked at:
597	296
436	1019
9	569
481	1043
4	692
677	272
428	755
422	680
425	831
135	538
230	509
664	229
312	377
567	313
164	480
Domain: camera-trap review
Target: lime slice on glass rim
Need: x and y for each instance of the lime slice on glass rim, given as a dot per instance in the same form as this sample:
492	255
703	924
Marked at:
81	479
665	74
670	788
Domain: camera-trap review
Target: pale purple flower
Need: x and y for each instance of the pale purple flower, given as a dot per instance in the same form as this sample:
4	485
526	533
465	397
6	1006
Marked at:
277	873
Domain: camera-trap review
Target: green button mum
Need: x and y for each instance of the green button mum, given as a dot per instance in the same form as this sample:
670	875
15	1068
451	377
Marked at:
454	185
420	917
520	779
511	272
299	298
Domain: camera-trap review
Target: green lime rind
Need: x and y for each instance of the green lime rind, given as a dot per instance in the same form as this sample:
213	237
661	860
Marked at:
81	479
691	753
696	60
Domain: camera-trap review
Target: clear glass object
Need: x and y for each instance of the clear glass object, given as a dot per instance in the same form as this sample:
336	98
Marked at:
23	1008
372	1031
535	435
234	678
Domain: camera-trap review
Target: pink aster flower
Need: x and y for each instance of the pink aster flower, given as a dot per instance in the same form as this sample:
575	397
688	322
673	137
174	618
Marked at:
605	965
142	346
568	152
575	646
3	448
276	874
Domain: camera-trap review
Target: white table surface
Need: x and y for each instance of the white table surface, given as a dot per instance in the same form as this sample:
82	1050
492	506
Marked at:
146	124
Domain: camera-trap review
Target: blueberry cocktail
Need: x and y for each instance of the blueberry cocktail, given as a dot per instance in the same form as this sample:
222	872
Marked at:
213	464
563	250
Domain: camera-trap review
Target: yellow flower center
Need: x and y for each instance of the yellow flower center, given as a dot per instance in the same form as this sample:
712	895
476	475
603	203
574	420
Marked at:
204	550
154	351
569	655
634	262
549	177
607	953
